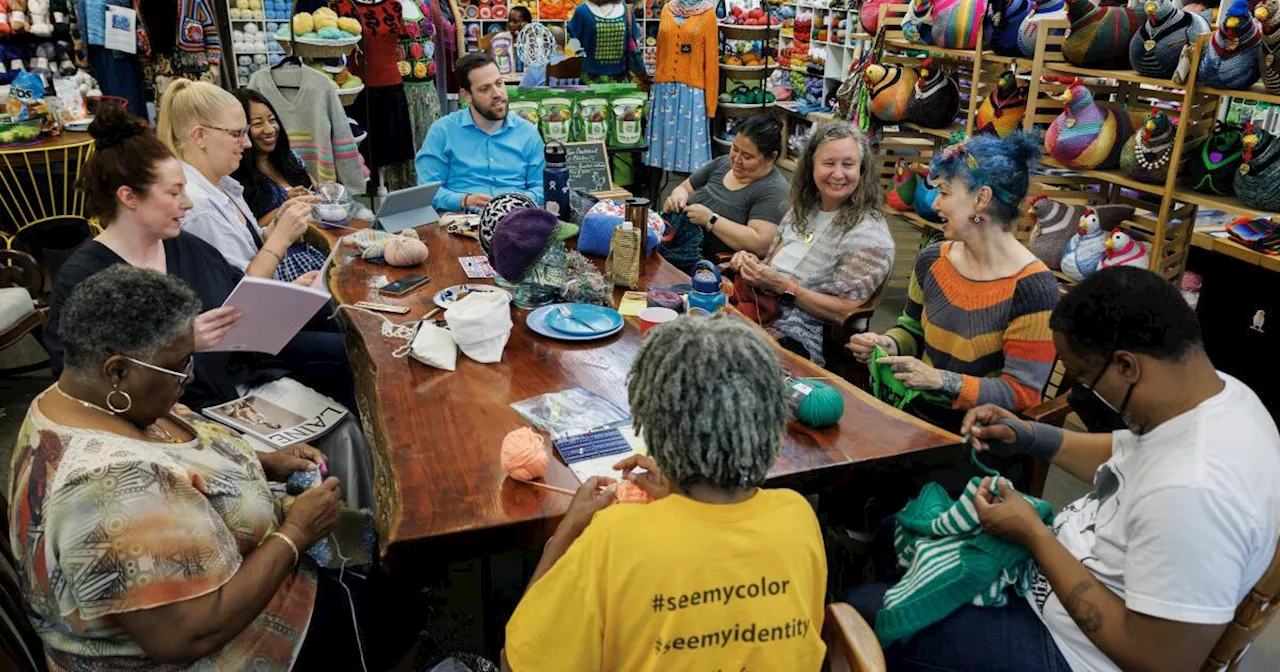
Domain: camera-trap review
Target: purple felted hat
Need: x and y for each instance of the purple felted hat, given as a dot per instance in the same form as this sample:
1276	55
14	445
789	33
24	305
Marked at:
520	238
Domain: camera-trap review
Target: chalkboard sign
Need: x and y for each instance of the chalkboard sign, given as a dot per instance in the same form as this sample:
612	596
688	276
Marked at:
588	166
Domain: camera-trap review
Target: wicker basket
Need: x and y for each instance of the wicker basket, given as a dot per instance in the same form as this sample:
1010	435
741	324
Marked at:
348	96
313	48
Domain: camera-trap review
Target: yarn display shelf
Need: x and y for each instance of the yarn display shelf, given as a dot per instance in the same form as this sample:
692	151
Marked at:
1229	204
940	133
1256	93
1230	248
1113	176
739	70
734	32
348	96
955	54
315	48
1130	76
744	109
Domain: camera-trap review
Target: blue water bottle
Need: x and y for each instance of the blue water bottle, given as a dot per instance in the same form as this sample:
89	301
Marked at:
706	294
555	180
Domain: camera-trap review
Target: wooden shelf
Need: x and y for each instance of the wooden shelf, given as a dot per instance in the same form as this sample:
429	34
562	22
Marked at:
1257	92
1024	64
1113	176
1229	204
787	163
943	133
956	54
1119	75
914	217
1229	247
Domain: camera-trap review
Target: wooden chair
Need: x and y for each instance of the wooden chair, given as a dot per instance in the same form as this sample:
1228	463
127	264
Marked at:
851	643
1253	614
569	68
22	282
20	647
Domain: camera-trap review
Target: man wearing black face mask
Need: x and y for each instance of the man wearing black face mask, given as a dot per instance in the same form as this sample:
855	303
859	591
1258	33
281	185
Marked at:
1144	571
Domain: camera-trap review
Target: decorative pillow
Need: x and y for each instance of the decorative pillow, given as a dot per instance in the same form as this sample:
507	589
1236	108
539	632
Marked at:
889	90
1269	62
935	100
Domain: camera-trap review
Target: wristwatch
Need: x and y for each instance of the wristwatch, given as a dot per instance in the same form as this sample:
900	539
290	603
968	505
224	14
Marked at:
788	297
711	223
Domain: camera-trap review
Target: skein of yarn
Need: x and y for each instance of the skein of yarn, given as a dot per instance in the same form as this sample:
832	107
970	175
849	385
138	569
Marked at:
664	298
524	454
814	404
404	251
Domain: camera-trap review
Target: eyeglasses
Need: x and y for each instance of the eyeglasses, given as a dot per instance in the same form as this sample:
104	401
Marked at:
181	376
1101	372
237	133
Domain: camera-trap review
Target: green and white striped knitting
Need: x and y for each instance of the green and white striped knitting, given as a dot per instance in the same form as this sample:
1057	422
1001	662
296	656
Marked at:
950	562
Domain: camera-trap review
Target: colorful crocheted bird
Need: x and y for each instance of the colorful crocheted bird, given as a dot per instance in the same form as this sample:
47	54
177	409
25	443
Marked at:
1156	47
935	101
1085	249
926	194
1099	36
903	194
1005	18
1123	250
1002	111
1145	155
889	90
1257	181
1268	15
1030	28
1086	136
957	23
1231	60
917	25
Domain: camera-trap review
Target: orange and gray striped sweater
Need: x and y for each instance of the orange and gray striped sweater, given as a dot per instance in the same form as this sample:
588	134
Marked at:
994	333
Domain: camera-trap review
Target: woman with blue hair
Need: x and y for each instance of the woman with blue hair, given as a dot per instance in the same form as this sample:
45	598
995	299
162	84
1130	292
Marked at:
975	329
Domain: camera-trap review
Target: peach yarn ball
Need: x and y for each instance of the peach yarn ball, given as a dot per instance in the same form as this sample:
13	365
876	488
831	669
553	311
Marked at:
404	251
524	454
630	493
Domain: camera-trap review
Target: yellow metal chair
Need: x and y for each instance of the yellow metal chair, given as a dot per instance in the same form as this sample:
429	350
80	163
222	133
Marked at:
38	184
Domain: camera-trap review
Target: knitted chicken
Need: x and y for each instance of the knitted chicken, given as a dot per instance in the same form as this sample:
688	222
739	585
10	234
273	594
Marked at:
1268	15
917	26
1257	180
1085	249
1231	59
1005	18
1099	36
958	23
903	194
926	194
1156	47
1145	155
889	90
1030	28
1002	111
1086	136
935	100
869	15
1122	250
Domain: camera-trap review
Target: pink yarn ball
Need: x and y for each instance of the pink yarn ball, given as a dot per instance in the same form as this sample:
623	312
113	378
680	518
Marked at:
524	454
630	493
403	251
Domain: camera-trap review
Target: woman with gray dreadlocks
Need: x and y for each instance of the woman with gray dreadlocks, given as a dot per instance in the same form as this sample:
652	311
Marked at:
717	573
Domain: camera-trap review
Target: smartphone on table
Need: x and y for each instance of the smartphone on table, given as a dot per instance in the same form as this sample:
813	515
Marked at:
404	285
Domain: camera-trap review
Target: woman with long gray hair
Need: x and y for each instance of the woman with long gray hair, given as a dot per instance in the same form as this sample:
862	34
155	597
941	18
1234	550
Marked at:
833	249
717	573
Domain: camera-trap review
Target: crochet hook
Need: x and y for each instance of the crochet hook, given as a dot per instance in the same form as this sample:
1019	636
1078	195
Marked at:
552	488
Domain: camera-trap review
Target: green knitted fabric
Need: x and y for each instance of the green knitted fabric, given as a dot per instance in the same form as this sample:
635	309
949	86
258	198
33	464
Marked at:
950	562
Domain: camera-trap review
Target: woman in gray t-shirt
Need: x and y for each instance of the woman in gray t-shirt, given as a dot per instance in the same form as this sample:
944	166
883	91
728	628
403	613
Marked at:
737	199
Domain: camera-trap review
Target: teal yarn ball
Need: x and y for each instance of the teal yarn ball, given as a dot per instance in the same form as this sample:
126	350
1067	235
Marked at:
821	407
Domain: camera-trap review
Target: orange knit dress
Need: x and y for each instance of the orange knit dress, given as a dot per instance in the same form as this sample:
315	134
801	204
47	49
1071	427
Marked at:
689	53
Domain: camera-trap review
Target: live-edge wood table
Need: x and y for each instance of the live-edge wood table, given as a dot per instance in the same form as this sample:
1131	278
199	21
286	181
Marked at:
436	435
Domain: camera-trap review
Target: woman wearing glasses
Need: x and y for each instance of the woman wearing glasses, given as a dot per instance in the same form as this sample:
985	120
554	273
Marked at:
206	127
138	191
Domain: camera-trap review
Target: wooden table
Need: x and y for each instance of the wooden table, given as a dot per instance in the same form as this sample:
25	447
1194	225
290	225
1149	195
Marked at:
436	435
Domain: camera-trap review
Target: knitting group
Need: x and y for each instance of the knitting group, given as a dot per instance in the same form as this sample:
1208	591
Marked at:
148	538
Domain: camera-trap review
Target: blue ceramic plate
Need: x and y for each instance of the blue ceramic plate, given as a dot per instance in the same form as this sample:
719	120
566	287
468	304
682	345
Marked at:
591	320
537	322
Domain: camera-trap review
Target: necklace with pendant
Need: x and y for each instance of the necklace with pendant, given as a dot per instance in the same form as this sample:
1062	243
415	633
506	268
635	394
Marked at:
808	238
154	431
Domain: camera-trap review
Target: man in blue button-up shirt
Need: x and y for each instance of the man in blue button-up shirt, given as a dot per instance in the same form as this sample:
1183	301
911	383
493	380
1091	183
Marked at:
479	152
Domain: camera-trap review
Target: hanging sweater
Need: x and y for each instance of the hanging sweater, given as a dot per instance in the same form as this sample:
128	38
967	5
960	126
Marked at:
602	32
689	53
383	24
312	115
950	562
994	333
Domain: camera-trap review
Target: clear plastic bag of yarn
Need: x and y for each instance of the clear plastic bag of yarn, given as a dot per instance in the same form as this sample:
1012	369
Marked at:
572	410
335	205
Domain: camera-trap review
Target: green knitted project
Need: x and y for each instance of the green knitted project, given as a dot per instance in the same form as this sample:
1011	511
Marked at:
950	562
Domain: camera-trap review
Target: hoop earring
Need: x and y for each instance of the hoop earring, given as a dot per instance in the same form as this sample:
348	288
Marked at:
128	401
979	219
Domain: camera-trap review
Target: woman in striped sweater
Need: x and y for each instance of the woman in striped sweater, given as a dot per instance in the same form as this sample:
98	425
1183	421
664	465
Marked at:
975	329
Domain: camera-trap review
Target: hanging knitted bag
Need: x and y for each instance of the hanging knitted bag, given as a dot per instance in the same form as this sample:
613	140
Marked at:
926	194
1212	168
1005	19
1156	47
1257	180
1269	62
957	23
1230	61
1146	154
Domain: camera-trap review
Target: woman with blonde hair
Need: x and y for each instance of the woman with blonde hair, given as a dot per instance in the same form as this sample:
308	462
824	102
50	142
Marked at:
206	128
833	249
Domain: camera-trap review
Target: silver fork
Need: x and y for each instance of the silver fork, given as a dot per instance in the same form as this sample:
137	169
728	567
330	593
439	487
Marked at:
564	311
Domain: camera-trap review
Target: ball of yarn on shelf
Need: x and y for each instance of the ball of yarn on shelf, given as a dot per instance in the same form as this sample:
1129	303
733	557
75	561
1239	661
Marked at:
403	251
524	454
821	407
627	492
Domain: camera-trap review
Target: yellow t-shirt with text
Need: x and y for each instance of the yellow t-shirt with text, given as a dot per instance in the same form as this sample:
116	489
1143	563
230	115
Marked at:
681	585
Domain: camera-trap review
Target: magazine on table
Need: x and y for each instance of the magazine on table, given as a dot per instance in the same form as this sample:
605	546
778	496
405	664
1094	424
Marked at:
280	414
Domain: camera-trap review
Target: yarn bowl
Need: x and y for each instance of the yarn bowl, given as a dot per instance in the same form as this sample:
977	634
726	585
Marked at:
958	23
1269	62
524	454
1260	187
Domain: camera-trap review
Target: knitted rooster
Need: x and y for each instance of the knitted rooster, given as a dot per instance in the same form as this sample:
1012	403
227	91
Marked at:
1005	18
1085	249
935	100
1086	136
903	194
1145	155
1028	31
1002	112
1122	250
1231	60
1099	36
1156	47
926	194
1268	15
889	90
917	24
957	23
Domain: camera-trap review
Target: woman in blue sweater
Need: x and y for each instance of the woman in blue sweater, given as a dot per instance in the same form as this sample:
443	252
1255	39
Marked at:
607	33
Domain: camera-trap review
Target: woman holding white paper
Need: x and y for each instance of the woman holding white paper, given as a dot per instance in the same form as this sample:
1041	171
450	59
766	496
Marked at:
135	187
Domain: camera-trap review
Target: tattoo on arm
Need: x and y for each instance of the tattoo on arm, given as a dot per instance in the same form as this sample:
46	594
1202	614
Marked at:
1085	613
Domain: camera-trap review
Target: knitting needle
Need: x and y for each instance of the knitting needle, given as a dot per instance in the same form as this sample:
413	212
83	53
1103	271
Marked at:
430	314
552	488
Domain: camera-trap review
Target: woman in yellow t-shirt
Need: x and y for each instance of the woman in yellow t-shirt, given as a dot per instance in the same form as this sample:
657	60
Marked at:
718	573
